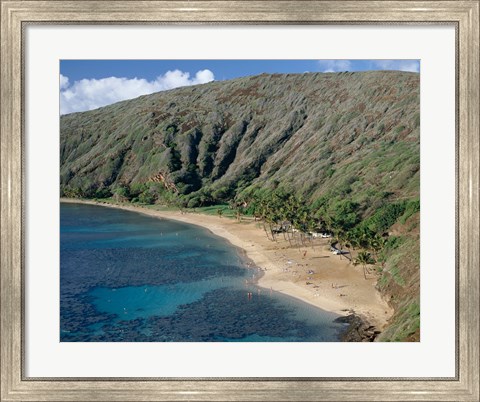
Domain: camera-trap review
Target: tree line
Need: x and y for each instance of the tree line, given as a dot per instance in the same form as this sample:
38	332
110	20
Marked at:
283	213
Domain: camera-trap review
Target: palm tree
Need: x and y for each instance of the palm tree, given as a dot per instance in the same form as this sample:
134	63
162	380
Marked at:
311	226
376	244
342	239
364	258
290	209
303	218
263	214
353	239
348	246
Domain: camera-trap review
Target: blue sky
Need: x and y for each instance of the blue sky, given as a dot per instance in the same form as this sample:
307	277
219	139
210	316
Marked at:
89	84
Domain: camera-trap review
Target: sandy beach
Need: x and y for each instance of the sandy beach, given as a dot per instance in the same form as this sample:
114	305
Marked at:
312	274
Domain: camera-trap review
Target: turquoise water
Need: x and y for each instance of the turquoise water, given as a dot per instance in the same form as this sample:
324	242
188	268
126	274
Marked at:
128	277
145	301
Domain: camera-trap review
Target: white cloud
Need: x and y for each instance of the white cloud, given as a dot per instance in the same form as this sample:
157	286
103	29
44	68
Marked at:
333	66
401	65
63	82
204	76
177	78
88	94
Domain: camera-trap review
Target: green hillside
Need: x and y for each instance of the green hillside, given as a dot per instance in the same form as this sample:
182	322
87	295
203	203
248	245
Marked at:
340	150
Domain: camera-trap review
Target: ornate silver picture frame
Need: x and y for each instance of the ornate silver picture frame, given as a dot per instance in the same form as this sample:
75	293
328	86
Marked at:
16	15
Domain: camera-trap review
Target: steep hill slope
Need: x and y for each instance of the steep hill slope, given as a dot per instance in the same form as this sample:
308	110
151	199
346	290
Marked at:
313	132
347	144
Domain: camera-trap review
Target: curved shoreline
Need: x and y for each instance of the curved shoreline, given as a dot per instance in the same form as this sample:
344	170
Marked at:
312	275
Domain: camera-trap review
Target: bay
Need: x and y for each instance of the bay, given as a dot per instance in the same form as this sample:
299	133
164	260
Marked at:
128	277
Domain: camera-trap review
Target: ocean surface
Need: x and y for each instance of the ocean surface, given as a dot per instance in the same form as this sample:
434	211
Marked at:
127	277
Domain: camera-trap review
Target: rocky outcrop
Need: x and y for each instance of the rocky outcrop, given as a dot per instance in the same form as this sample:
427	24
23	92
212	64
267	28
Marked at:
358	330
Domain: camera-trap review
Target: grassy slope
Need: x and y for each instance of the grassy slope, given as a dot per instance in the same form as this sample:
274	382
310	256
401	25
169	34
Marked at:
350	132
400	281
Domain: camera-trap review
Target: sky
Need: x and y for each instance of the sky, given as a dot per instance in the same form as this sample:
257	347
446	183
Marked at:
90	84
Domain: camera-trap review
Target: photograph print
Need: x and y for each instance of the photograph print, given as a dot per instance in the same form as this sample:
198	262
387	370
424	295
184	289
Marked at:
239	200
